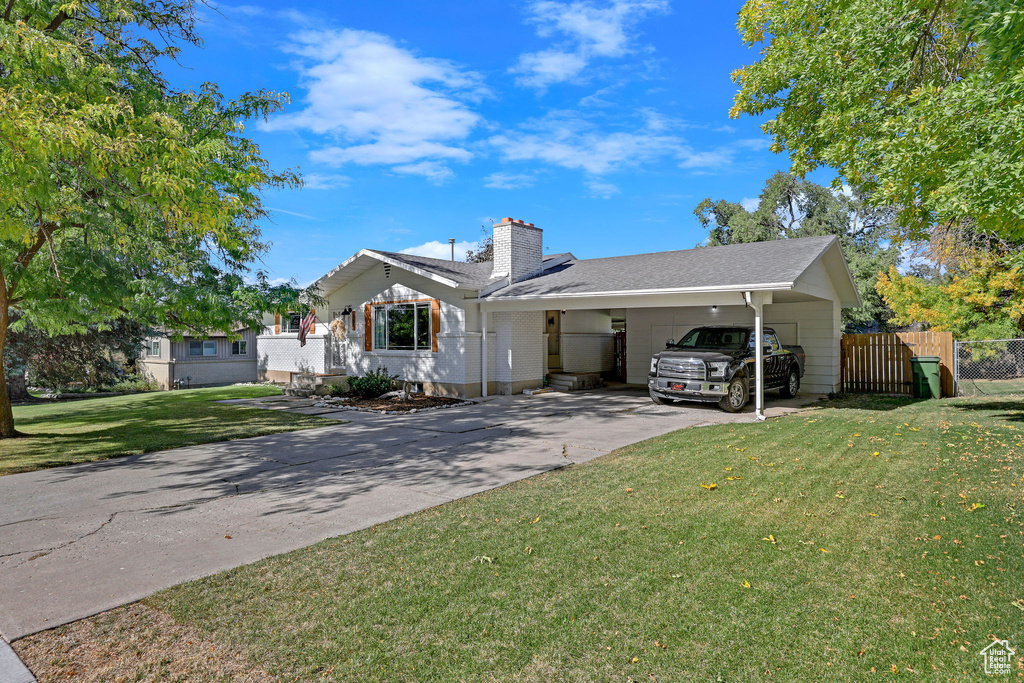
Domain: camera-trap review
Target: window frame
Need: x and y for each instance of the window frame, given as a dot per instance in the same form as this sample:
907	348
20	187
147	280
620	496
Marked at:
239	348
204	344
153	348
421	343
288	319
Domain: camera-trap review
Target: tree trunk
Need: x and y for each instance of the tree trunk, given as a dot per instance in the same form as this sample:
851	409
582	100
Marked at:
7	429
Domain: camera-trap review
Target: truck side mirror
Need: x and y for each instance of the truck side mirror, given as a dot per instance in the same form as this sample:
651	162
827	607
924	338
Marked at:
670	342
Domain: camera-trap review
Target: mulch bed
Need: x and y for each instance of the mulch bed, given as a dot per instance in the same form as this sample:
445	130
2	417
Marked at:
415	404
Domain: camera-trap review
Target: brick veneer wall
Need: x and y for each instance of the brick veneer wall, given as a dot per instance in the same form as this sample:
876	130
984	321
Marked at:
519	352
518	250
282	353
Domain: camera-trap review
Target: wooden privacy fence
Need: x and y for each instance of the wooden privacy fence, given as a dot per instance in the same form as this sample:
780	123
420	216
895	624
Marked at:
880	363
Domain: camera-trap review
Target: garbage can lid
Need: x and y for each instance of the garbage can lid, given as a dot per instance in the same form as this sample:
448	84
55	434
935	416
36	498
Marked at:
926	359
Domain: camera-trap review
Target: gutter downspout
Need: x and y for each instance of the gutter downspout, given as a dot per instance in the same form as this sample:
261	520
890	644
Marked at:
755	303
483	352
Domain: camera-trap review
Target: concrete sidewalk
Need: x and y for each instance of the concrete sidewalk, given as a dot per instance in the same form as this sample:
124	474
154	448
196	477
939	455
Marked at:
78	540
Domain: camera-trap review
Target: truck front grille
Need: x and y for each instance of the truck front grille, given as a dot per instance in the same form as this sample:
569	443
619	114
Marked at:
683	369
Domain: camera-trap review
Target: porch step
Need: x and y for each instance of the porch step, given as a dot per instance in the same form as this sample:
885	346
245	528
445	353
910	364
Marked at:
292	391
565	381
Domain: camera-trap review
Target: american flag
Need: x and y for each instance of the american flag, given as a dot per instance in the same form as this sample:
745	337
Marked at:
305	326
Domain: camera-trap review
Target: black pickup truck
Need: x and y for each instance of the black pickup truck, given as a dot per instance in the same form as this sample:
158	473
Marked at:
717	364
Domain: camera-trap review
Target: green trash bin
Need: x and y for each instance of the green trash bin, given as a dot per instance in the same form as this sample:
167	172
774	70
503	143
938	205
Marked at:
926	376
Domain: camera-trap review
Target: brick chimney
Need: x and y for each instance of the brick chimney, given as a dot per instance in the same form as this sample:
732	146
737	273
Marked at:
518	249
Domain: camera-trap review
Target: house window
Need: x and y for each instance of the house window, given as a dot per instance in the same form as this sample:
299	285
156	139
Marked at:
402	326
202	348
153	348
290	323
238	348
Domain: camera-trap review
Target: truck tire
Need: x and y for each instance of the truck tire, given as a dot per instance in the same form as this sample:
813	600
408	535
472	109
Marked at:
736	397
792	383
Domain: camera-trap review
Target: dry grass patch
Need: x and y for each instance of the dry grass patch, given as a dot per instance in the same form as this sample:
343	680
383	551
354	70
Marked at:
134	643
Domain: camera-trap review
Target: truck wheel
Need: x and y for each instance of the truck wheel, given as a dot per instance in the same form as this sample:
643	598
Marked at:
792	384
736	397
661	401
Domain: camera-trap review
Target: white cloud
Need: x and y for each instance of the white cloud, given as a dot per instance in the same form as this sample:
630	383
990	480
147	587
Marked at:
750	203
433	171
509	181
602	189
323	181
566	140
441	250
588	30
382	103
292	213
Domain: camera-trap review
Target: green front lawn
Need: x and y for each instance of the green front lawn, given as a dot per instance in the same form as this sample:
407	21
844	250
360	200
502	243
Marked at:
95	429
869	537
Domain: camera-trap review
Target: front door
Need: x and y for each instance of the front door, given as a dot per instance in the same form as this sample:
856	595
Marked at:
553	328
337	333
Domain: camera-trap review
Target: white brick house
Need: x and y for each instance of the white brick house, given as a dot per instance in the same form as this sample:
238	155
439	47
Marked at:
467	329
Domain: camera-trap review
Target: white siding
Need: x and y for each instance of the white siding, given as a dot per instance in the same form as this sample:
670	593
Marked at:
817	323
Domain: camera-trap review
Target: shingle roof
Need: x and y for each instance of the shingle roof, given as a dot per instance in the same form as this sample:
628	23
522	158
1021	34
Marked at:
468	274
735	265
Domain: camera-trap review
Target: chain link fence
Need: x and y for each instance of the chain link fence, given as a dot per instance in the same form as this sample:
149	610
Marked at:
993	367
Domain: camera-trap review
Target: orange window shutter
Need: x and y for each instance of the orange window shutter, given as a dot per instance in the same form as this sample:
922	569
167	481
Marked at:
277	323
312	326
435	322
368	332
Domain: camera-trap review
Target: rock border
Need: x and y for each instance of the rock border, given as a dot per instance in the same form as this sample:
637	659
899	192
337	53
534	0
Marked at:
413	411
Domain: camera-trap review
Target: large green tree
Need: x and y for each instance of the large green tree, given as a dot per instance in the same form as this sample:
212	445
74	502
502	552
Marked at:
919	103
790	207
118	193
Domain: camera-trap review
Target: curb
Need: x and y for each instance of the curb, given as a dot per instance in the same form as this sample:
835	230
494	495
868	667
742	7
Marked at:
12	669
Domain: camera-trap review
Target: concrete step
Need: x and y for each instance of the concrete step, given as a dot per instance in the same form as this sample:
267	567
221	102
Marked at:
295	391
575	380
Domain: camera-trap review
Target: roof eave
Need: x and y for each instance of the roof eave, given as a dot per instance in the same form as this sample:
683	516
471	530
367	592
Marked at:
760	287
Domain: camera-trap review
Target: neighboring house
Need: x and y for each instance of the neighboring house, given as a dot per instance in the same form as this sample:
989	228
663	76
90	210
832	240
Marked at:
432	322
200	361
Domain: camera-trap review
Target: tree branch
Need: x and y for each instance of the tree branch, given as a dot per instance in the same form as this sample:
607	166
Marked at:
55	24
7	10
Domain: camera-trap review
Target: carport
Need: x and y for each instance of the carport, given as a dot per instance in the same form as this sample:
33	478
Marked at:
799	287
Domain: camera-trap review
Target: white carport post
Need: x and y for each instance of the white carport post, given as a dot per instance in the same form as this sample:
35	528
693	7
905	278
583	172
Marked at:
754	300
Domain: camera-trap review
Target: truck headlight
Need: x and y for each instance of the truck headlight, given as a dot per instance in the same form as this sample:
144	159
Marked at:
654	366
718	368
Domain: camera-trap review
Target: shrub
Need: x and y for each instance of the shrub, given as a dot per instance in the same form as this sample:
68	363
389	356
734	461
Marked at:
133	384
375	383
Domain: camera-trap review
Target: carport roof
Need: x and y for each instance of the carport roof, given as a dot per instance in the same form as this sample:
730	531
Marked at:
752	266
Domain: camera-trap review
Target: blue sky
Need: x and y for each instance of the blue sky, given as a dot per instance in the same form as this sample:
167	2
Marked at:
604	123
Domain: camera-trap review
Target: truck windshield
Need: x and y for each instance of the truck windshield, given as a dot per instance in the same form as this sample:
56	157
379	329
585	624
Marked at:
717	338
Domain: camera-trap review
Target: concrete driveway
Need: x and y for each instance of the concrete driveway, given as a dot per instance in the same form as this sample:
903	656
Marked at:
78	540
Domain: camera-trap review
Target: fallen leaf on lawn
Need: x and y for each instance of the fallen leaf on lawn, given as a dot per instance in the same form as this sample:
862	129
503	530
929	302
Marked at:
710	487
975	506
535	521
745	584
876	453
629	490
936	538
770	538
733	478
1019	604
635	660
872	514
728	469
895	668
822	550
